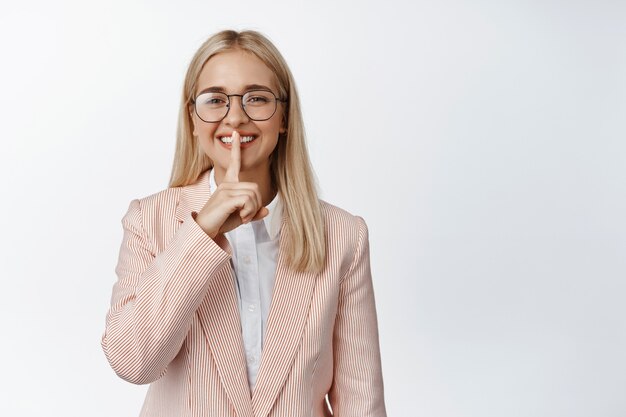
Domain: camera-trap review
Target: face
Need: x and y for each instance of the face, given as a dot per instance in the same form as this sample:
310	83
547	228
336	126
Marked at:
233	71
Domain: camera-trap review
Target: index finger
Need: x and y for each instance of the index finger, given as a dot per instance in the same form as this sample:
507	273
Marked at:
232	173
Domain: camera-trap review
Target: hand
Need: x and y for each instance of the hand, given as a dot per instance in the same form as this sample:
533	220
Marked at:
232	203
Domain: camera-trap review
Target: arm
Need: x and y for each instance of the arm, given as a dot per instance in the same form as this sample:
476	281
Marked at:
357	388
156	296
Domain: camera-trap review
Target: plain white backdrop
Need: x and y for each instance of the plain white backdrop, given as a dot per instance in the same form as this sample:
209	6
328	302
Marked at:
484	142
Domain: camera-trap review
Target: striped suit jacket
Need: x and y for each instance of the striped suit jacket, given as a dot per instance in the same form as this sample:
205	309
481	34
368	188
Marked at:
174	321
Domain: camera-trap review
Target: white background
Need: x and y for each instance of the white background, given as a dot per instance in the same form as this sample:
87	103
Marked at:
482	141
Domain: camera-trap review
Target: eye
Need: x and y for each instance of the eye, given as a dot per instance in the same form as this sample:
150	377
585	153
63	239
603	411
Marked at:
214	101
257	99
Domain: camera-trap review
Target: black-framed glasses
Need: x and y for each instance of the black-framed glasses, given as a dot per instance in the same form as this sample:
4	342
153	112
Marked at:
259	105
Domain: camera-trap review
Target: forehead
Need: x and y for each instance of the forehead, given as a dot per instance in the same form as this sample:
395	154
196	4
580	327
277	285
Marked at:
233	70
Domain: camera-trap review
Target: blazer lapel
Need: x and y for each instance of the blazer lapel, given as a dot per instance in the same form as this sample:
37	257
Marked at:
218	313
219	317
291	301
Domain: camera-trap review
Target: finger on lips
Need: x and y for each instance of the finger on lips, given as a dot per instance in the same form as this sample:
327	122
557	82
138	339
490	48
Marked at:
250	201
232	173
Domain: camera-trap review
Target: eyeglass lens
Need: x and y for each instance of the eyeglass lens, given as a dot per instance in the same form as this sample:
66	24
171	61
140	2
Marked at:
258	105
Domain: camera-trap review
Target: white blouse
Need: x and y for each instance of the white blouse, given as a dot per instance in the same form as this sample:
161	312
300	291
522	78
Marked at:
255	250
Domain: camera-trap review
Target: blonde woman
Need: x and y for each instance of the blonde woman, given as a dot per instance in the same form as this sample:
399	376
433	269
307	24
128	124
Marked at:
239	291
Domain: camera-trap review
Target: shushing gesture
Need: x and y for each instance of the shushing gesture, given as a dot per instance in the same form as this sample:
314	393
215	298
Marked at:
232	203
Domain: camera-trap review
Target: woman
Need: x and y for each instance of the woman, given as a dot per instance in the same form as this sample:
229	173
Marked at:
239	292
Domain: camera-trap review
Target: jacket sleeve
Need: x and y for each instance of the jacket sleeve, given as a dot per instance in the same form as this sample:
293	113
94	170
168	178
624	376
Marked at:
156	296
357	389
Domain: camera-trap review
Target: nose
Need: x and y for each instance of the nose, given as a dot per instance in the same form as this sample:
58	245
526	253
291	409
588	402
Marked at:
236	115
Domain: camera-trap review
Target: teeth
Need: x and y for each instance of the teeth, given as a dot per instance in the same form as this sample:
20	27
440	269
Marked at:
244	139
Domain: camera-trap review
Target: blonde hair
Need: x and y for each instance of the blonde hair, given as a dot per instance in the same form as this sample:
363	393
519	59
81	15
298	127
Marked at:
290	168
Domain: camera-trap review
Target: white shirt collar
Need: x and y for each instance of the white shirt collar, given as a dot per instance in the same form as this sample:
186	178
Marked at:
273	220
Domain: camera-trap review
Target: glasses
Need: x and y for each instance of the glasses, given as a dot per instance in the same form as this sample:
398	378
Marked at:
258	105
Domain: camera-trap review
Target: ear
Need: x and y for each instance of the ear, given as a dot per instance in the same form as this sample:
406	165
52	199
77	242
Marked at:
193	121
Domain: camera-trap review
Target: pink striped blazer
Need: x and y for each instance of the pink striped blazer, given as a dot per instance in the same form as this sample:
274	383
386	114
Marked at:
174	321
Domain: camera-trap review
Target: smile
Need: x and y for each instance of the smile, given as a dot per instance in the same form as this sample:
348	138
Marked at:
244	139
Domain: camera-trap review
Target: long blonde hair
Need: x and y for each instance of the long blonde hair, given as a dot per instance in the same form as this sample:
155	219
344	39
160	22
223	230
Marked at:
290	167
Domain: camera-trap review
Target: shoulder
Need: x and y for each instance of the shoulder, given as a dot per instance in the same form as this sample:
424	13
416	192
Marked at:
347	237
161	202
340	223
339	217
154	211
335	211
154	217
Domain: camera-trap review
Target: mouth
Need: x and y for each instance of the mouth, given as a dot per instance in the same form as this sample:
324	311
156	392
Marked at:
228	140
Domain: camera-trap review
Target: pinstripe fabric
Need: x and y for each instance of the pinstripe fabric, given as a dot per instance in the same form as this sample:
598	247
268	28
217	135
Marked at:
174	320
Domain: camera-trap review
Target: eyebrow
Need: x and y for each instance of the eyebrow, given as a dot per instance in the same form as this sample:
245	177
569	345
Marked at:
248	87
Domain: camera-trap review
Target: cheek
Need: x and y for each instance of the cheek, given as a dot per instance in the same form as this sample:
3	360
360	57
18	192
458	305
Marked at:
207	145
202	129
273	126
204	135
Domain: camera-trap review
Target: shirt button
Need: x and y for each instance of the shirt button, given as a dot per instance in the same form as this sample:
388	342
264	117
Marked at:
246	259
251	307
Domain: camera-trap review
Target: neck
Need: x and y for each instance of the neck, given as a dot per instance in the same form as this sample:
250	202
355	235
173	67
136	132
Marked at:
262	179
